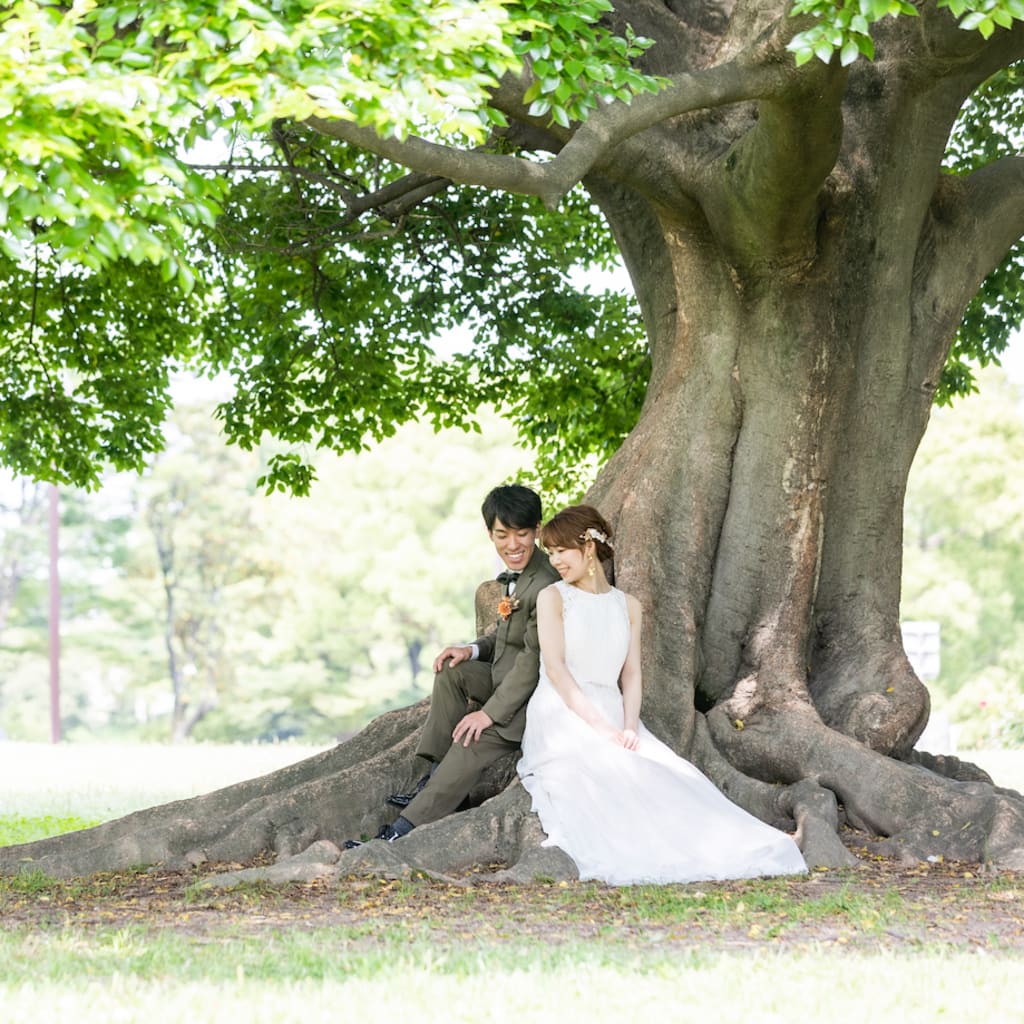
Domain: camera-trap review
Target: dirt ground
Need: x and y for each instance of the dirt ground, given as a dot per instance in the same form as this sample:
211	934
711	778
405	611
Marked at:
875	905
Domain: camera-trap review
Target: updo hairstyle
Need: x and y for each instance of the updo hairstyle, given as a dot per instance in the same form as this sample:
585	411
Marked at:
569	529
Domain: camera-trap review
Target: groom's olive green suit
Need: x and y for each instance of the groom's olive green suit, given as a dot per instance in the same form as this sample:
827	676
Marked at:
501	681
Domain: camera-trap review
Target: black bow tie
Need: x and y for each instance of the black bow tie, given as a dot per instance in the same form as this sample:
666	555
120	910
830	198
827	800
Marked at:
508	577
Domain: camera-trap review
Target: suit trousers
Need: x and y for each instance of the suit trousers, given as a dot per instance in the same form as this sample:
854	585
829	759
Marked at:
458	767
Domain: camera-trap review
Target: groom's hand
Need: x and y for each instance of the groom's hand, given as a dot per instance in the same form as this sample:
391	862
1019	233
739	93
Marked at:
453	656
470	726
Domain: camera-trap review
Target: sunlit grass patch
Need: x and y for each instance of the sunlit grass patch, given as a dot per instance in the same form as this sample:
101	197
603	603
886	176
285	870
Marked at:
22	828
130	974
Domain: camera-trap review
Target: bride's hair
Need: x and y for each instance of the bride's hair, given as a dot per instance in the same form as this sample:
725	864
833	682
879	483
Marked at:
574	526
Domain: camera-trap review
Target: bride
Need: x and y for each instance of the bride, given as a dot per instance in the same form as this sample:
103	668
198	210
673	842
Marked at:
608	793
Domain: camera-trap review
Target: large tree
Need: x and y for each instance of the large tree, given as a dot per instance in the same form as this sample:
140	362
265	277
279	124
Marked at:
779	181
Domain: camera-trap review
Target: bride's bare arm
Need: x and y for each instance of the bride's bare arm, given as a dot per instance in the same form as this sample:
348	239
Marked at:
632	685
551	633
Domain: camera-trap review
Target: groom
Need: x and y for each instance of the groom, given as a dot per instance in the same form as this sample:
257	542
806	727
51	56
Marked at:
498	672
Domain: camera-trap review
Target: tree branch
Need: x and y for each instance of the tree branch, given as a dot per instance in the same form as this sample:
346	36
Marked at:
733	82
490	170
996	197
947	43
762	195
973	223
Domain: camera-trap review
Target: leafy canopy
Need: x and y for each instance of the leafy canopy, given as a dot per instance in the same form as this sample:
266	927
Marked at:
101	101
108	259
131	246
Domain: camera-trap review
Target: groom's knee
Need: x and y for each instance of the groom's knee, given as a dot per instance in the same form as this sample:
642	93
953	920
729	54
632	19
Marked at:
467	681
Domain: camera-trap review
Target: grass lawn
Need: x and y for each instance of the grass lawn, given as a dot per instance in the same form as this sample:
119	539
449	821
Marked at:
930	944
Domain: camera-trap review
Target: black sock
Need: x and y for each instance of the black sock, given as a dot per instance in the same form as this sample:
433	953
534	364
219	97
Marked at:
403	826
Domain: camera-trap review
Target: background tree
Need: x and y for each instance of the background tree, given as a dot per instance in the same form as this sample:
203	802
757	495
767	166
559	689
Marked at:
22	513
802	259
211	576
962	564
318	605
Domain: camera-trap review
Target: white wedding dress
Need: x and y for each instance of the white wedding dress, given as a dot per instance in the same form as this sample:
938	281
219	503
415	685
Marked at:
628	816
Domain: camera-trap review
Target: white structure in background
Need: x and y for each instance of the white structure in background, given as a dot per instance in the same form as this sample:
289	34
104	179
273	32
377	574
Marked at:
921	641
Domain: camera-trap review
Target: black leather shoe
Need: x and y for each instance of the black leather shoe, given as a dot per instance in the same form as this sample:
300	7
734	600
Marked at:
387	832
404	799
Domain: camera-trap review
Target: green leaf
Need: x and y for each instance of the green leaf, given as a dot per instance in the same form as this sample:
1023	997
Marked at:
849	53
823	51
532	92
560	116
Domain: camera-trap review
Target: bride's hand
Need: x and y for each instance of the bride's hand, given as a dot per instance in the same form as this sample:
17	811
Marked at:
609	732
622	737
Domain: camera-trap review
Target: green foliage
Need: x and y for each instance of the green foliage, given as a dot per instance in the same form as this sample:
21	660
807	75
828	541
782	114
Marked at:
87	361
99	101
107	112
287	617
575	65
86	121
584	390
162	206
843	27
985	15
332	325
990	128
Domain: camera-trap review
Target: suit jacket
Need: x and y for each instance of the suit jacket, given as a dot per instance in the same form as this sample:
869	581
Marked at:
514	652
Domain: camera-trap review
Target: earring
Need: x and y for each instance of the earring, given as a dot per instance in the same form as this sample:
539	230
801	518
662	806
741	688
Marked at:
592	571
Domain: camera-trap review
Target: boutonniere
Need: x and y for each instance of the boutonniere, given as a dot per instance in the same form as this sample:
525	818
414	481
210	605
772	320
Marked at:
507	605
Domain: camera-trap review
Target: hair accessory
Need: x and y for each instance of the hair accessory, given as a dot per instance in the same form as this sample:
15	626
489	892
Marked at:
594	534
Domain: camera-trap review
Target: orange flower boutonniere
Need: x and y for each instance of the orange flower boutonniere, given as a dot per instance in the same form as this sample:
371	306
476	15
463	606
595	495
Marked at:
507	605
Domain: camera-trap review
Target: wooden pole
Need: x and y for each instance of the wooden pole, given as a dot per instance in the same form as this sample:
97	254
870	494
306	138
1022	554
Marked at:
54	616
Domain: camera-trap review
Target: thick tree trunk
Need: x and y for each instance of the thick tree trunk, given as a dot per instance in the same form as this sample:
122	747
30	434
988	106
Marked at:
763	532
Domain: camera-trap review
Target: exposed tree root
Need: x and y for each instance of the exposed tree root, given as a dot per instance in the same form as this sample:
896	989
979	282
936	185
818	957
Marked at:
916	814
949	767
816	813
301	815
501	838
890	715
812	808
334	795
781	765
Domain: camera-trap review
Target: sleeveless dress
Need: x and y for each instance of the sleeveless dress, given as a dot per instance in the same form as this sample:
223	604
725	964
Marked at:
628	816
